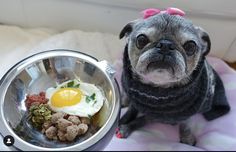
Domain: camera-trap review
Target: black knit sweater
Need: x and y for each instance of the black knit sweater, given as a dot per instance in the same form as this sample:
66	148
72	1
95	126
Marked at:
203	94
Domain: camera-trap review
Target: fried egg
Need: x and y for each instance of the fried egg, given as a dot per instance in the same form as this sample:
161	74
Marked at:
75	98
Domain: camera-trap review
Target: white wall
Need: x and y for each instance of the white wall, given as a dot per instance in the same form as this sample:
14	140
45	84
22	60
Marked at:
218	17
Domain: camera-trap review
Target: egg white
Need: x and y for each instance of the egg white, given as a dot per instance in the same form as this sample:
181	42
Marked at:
83	108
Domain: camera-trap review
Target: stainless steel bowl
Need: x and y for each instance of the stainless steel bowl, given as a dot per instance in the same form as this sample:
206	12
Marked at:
43	70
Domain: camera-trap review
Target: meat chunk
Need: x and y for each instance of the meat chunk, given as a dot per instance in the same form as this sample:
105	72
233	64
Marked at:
85	120
61	135
74	119
46	125
51	132
62	124
71	132
83	128
57	116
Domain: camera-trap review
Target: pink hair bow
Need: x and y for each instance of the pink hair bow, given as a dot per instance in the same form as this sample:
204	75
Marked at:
153	11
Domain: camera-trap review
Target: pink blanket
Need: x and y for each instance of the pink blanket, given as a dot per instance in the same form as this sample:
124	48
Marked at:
219	134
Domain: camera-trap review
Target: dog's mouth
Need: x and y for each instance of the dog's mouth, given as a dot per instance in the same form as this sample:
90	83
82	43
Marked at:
160	68
159	65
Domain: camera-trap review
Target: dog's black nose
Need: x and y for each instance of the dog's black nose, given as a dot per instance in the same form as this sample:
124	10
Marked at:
165	45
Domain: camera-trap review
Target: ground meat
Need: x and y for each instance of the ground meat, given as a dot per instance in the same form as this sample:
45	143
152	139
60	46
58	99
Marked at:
51	132
40	98
83	128
71	132
74	119
62	124
85	120
57	116
61	135
42	94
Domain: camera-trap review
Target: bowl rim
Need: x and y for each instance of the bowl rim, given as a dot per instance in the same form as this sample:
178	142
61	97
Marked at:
18	67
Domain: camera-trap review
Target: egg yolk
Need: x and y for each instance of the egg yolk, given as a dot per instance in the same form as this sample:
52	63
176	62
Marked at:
66	97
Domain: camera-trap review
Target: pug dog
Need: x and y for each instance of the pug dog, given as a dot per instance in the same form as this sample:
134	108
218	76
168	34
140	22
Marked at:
166	77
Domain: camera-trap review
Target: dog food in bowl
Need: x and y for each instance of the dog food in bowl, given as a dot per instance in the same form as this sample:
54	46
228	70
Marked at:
63	112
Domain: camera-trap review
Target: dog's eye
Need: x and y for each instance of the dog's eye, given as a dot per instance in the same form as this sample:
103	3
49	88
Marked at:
141	41
190	47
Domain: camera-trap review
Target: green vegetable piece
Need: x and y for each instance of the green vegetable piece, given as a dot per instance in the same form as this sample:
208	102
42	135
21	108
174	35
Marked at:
89	116
77	86
87	99
35	112
93	96
70	84
90	98
38	114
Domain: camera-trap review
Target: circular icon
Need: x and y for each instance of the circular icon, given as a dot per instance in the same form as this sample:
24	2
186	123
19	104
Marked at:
8	140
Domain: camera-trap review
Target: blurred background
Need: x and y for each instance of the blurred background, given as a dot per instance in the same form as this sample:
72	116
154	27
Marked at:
216	16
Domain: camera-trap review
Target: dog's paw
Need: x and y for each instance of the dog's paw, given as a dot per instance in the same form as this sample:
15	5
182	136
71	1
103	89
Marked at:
190	141
123	131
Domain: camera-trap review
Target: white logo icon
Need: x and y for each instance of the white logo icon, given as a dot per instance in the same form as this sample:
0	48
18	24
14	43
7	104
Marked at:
8	141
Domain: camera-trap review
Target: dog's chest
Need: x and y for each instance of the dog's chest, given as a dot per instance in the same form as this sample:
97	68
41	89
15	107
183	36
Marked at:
171	105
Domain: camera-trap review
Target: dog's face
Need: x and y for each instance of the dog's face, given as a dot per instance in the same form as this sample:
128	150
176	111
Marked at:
165	49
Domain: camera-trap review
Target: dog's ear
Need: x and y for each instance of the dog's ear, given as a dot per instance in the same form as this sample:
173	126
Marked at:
126	30
205	39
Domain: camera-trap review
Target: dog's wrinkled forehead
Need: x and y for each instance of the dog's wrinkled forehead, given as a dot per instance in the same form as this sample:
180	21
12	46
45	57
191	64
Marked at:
165	26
